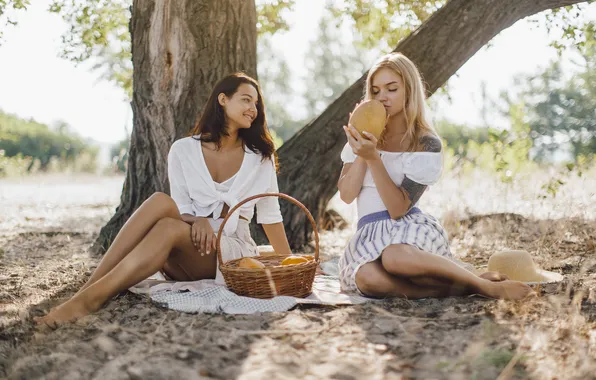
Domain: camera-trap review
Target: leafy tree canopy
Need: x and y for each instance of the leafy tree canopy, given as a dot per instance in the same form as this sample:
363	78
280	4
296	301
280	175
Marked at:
99	28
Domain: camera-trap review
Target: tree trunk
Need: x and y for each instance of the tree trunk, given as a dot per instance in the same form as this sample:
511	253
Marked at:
180	49
309	161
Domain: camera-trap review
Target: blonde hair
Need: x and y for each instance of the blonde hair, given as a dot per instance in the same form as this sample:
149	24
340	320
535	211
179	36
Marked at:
414	107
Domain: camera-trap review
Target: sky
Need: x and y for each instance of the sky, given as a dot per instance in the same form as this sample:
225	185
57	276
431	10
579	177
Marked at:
36	83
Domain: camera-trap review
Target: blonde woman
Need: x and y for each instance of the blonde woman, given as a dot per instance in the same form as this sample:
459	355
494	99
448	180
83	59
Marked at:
398	250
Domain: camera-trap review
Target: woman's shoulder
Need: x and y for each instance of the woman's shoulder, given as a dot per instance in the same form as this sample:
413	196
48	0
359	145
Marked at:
430	143
184	143
425	165
426	144
264	162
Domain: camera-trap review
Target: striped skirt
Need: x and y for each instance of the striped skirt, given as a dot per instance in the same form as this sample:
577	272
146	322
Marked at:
377	231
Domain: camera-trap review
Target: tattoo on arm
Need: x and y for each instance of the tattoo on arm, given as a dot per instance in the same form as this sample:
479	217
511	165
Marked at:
431	143
413	189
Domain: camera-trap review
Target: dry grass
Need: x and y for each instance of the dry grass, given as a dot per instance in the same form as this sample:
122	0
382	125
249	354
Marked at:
551	336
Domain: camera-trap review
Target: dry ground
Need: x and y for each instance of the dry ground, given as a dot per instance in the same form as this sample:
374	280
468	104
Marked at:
48	223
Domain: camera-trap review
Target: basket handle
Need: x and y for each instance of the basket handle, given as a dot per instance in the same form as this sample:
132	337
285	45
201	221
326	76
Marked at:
280	195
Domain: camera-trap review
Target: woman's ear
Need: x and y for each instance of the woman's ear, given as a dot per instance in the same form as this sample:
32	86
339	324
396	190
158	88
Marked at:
221	98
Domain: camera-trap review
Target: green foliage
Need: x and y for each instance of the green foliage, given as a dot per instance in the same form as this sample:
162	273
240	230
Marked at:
119	155
494	360
569	21
512	147
498	155
551	188
269	15
504	152
99	30
333	65
15	165
276	81
561	108
458	136
15	5
28	146
383	23
277	141
582	164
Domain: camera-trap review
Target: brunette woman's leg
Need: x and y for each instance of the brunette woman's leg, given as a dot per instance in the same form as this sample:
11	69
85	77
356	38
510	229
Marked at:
167	243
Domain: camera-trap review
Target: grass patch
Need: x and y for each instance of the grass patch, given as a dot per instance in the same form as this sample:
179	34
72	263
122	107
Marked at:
493	361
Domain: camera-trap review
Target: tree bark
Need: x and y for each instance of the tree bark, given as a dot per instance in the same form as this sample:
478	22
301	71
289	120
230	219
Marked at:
309	161
180	49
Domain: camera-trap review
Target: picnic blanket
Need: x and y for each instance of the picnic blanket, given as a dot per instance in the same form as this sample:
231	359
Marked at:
207	296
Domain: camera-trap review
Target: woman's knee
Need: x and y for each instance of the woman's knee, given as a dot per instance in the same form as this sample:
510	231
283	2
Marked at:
370	282
403	260
163	202
374	281
170	227
160	197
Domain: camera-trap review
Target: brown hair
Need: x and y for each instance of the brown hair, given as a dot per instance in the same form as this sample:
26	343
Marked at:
211	124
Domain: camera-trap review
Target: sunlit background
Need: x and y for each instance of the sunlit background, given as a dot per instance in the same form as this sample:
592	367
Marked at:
36	84
518	124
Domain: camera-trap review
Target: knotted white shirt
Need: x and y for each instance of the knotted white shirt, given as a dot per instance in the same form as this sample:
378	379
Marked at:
196	193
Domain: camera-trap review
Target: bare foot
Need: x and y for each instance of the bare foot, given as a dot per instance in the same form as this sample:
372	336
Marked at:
494	276
509	290
69	311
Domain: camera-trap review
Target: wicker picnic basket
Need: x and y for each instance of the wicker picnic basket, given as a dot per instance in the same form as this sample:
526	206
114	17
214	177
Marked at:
275	279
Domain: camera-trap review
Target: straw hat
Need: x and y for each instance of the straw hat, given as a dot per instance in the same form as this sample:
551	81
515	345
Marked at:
519	266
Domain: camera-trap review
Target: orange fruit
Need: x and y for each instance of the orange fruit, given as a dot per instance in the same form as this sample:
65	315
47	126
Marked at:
247	262
294	259
370	116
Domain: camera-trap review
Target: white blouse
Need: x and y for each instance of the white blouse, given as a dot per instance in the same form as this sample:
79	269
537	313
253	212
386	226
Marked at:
422	167
196	193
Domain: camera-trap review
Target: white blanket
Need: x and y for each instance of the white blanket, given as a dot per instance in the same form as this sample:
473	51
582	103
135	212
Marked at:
205	296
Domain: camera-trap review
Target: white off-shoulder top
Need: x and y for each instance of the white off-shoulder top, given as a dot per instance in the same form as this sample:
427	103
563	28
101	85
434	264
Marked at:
422	167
